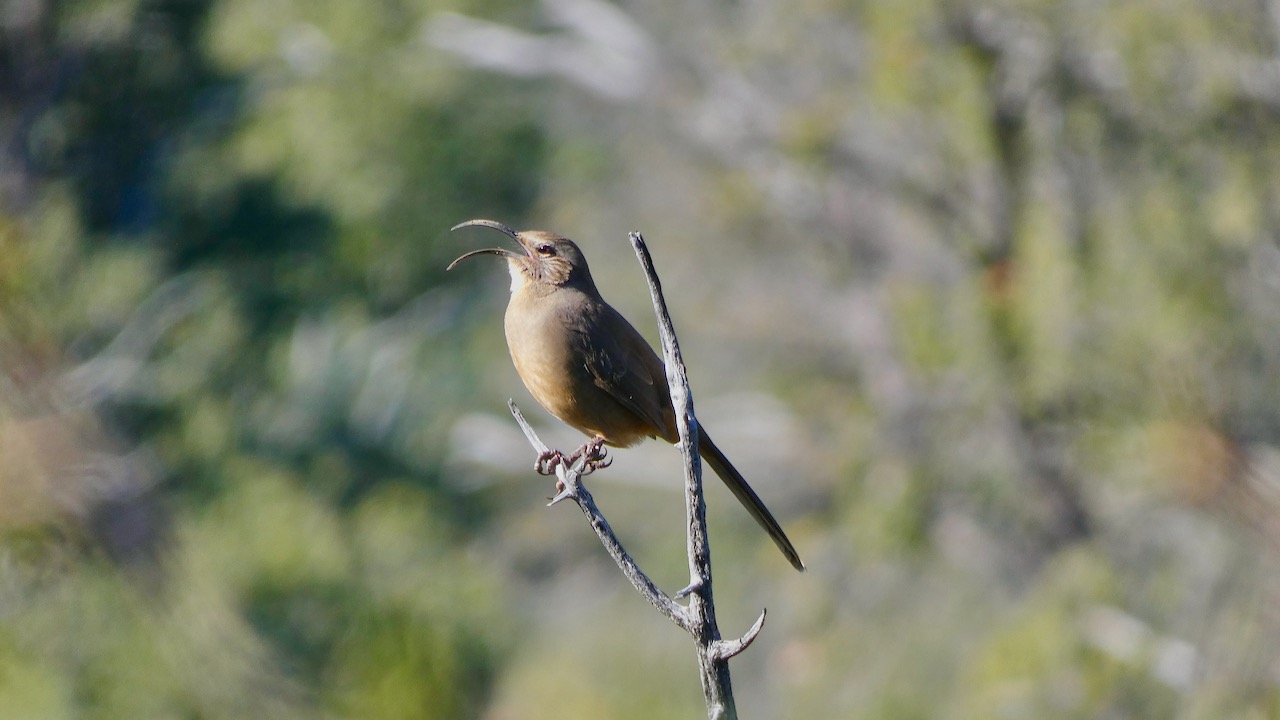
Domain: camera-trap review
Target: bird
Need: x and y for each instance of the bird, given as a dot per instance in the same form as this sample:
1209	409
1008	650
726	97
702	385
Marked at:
590	368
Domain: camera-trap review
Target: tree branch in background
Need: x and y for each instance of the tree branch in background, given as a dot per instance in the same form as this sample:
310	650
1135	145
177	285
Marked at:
699	617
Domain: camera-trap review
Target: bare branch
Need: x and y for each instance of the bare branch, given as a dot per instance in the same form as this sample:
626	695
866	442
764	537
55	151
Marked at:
713	658
687	424
571	479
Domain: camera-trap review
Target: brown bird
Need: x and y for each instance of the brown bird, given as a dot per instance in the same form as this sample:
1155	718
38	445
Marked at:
584	363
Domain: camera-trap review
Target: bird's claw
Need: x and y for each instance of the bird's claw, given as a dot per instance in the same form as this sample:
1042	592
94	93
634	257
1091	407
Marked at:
547	462
593	455
593	465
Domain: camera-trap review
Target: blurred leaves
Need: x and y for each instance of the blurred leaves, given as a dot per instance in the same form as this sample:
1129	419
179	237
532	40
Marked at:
182	197
1003	274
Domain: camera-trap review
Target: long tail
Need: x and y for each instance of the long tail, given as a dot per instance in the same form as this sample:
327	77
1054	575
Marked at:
752	502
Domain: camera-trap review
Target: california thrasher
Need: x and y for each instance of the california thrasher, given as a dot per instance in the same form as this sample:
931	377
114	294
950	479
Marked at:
584	363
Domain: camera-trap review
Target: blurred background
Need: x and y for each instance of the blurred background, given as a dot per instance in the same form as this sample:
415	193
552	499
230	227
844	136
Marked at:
982	295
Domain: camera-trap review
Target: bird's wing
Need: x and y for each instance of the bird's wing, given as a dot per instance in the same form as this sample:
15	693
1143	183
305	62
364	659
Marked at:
622	364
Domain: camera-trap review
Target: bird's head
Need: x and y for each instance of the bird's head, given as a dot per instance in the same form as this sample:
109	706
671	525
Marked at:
548	259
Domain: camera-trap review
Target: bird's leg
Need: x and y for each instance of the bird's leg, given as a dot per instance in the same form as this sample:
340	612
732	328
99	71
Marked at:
596	457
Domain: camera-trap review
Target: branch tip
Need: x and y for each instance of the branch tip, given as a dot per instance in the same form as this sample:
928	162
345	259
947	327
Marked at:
688	590
526	428
569	492
725	649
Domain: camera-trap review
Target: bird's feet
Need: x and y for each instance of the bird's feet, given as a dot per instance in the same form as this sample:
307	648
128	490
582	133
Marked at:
596	457
547	462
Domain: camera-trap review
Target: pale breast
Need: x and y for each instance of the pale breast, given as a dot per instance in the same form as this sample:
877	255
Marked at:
540	346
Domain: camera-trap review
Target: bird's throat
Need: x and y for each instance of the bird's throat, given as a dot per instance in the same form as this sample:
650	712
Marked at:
518	276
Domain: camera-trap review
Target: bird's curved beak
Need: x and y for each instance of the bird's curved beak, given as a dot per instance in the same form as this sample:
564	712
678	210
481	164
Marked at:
488	251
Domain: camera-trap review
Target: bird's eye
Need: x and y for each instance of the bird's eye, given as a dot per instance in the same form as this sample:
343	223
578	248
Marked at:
546	250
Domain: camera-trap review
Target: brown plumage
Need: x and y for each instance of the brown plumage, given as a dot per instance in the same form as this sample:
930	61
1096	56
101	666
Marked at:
584	363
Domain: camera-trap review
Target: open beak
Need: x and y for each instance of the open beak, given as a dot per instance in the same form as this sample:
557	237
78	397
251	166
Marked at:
488	251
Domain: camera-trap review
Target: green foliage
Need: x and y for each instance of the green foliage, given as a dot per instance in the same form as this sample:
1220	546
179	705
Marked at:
1007	269
226	254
